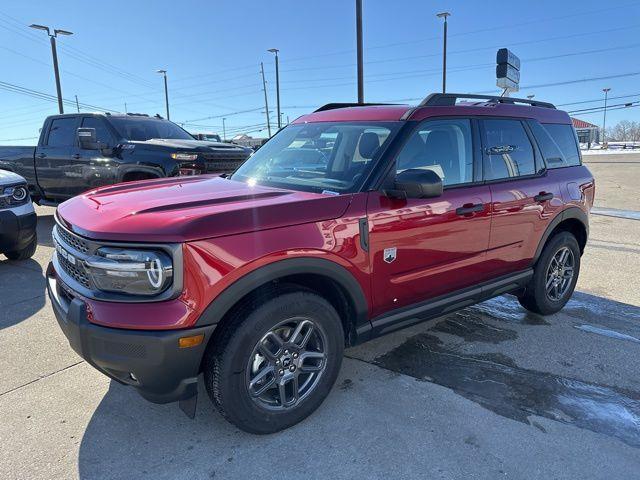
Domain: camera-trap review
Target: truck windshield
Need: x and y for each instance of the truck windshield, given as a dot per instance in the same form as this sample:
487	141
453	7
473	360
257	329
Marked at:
321	157
146	128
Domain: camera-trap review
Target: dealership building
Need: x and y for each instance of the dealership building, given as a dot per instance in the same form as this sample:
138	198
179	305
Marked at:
587	132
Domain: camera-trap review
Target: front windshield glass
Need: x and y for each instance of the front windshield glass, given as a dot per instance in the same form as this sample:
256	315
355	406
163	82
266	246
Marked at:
146	128
318	157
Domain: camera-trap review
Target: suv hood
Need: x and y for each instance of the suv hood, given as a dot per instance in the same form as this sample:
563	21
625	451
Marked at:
195	145
10	178
184	209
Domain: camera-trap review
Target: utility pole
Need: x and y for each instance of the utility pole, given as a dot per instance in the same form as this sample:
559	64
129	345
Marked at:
77	104
275	51
604	120
266	102
444	51
224	130
359	49
125	107
166	91
54	54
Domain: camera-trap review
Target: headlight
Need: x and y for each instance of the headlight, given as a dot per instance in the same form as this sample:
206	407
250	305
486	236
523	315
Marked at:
136	272
184	156
16	195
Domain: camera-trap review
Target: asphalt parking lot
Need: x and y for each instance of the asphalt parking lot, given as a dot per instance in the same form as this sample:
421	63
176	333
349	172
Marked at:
488	392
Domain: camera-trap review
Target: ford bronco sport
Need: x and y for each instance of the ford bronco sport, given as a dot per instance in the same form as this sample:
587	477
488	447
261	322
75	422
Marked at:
352	222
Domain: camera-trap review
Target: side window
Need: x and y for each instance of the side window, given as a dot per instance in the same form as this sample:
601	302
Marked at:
550	150
102	133
62	132
508	150
565	138
444	146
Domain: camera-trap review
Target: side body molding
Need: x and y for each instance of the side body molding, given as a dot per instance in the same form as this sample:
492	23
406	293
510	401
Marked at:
283	268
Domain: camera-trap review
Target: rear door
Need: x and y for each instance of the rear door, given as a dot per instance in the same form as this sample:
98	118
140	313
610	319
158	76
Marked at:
54	165
423	248
524	197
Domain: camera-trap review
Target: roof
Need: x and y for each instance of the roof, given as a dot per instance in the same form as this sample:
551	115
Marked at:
391	113
577	123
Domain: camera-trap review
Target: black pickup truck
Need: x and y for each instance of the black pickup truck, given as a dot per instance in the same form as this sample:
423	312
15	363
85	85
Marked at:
78	152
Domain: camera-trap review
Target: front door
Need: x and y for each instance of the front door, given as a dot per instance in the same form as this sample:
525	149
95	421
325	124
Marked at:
424	248
54	164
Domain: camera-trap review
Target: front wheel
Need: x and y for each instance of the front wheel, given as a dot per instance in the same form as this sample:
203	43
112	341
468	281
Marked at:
25	253
555	276
275	361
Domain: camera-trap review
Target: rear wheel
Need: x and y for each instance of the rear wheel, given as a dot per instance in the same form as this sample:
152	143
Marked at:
555	276
26	252
275	362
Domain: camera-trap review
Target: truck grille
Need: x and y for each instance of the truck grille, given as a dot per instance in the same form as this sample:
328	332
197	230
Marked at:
224	162
73	240
76	272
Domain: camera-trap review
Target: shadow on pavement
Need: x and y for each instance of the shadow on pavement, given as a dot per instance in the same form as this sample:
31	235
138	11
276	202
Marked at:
126	434
22	287
45	225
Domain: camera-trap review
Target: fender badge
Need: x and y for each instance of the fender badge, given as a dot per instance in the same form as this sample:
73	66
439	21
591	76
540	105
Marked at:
390	254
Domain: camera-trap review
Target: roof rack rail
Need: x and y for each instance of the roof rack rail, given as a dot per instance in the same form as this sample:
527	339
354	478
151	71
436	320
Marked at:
334	106
133	114
449	100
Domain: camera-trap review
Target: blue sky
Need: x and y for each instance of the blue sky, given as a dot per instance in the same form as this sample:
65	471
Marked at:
212	51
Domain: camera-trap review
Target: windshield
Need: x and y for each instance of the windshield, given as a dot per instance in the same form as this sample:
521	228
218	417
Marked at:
317	157
145	128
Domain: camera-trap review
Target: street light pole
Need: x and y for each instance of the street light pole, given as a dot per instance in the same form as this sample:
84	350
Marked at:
604	120
359	51
224	130
54	54
275	51
444	51
166	91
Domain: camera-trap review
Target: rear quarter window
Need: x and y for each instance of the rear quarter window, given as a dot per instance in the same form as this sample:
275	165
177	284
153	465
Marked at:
565	138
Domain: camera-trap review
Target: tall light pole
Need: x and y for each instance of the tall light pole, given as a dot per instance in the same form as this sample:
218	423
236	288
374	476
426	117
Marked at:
359	51
275	51
604	120
166	91
266	101
444	51
54	53
224	130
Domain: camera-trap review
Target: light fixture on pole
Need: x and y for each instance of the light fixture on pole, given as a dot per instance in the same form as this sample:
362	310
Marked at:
166	91
604	119
444	50
275	51
54	53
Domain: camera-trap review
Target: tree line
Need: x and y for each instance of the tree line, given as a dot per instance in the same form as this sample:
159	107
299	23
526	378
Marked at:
624	131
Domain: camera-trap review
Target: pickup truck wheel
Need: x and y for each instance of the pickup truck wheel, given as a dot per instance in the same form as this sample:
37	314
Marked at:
275	362
555	276
26	252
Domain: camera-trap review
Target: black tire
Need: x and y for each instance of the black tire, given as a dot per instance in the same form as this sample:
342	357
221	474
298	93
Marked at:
26	252
536	298
227	361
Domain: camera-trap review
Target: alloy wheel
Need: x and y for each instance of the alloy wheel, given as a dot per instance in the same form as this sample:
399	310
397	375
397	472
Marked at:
559	274
287	363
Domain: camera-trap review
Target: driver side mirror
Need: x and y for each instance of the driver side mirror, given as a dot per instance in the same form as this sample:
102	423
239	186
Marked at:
416	183
87	139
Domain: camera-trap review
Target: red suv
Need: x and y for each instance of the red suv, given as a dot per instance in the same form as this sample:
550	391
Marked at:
352	222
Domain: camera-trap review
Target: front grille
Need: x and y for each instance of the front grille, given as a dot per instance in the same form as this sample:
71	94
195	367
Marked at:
224	162
76	272
73	240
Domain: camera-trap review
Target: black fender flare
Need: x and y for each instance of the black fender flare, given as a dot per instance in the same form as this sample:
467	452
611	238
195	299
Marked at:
129	168
221	305
566	214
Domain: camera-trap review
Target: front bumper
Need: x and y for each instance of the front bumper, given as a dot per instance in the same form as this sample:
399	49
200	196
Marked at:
17	228
150	361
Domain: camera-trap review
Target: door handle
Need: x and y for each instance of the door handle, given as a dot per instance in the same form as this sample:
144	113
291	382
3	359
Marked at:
470	208
543	197
76	156
42	155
